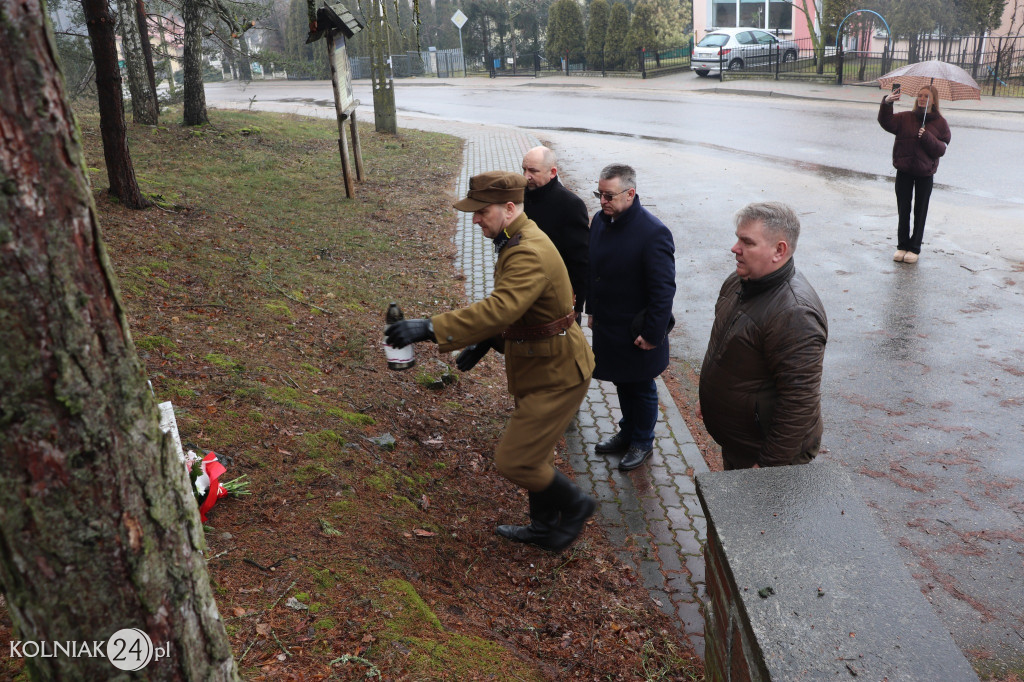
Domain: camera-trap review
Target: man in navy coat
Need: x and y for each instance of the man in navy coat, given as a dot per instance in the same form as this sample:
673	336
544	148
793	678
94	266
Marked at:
632	284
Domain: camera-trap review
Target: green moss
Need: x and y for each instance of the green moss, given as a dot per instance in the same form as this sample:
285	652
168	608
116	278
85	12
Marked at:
154	343
309	369
323	576
435	653
316	607
248	393
302	597
324	445
381	483
402	501
340	507
176	388
325	624
223	362
286	396
279	309
357	419
307	473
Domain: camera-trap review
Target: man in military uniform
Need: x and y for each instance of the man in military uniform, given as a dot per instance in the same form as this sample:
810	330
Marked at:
530	318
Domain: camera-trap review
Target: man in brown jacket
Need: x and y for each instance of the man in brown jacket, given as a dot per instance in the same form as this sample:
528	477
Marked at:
760	384
529	317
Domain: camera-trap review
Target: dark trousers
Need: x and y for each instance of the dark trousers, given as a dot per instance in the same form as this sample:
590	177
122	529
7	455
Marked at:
916	190
638	401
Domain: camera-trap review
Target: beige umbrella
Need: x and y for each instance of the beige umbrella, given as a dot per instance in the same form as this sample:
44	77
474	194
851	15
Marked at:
951	81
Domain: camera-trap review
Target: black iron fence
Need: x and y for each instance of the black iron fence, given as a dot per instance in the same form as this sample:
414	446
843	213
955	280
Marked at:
997	64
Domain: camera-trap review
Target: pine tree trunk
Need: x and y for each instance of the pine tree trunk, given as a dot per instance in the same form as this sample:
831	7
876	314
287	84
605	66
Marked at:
98	529
147	49
120	171
195	95
143	98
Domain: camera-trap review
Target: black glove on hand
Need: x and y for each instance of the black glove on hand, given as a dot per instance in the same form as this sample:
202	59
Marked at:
471	355
402	333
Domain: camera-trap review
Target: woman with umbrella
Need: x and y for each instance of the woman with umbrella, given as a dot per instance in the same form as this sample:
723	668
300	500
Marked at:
921	138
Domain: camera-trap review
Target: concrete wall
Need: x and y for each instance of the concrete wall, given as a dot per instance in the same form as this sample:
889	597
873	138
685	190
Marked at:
801	585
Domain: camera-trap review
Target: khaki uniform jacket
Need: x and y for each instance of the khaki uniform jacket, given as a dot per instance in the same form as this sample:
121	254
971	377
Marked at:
531	287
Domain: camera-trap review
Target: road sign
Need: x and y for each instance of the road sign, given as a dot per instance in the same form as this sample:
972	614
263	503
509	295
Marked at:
459	19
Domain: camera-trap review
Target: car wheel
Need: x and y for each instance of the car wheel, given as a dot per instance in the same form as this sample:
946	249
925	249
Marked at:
702	74
790	56
736	65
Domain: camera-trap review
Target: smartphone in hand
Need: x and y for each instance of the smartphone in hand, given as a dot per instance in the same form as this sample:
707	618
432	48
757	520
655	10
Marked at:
896	89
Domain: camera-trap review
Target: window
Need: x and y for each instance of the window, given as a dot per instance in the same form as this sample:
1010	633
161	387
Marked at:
732	13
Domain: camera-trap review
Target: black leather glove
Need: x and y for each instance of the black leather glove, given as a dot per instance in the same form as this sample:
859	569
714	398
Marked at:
402	333
471	355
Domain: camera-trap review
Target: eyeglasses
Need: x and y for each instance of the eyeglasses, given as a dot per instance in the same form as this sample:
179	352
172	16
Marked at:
608	196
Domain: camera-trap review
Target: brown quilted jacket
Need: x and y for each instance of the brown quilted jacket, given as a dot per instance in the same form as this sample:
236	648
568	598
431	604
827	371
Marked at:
760	384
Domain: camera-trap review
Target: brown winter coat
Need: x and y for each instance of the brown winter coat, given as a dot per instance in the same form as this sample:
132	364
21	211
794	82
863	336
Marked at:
760	384
911	154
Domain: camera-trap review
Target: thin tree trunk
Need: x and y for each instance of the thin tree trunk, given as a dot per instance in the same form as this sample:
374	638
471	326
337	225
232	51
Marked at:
168	64
144	109
147	49
195	95
99	531
244	62
120	171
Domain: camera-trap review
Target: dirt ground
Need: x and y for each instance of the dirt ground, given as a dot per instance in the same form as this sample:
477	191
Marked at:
367	546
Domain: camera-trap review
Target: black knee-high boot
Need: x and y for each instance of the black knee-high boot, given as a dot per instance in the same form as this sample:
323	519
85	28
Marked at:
542	518
566	509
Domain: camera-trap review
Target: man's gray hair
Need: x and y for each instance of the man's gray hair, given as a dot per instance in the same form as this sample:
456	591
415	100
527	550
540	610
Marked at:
625	174
779	220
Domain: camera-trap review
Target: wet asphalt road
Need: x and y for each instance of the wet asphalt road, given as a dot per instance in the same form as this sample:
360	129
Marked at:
924	376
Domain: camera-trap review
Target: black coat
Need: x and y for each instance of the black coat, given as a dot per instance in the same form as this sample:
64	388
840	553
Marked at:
562	216
632	268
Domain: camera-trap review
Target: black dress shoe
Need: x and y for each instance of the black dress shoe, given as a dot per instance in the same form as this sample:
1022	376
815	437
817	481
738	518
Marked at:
634	457
616	445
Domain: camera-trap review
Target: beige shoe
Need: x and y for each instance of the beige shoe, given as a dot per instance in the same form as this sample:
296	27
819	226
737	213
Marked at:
899	256
910	257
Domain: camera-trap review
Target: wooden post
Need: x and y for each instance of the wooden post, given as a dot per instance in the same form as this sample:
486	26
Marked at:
357	151
346	168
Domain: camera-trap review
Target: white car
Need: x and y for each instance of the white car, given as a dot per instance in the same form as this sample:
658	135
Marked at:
739	48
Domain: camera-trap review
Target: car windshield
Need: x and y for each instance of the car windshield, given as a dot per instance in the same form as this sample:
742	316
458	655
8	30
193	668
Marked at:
713	40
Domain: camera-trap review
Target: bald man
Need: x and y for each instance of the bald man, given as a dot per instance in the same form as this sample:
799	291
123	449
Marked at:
561	215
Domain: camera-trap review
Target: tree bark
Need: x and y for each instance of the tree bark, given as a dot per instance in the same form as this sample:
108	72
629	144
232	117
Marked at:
144	109
98	527
120	171
147	49
195	95
244	61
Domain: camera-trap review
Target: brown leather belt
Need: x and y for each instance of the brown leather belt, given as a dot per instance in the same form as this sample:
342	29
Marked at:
534	332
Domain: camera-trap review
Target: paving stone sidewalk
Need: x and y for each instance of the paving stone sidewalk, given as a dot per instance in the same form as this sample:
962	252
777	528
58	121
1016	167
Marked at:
651	513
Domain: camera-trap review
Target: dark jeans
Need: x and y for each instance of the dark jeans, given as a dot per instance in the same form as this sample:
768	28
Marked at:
907	186
639	403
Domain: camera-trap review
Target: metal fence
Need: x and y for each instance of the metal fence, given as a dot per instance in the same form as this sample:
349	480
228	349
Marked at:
997	64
